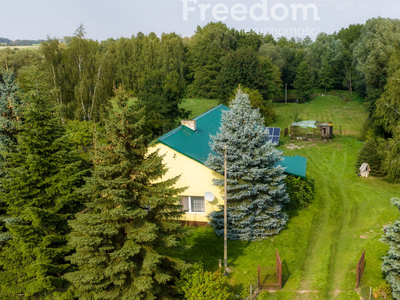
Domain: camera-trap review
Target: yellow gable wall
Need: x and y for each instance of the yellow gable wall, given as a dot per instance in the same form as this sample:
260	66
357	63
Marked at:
195	176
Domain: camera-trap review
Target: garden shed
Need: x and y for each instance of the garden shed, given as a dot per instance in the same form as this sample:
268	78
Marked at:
310	130
365	170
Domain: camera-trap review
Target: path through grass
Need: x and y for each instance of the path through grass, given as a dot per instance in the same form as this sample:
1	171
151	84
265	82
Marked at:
321	246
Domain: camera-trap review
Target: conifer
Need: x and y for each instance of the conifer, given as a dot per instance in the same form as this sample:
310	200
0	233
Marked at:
10	106
390	263
40	196
256	188
123	237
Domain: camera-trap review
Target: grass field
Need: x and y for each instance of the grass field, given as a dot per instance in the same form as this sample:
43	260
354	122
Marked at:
346	117
198	106
35	46
321	246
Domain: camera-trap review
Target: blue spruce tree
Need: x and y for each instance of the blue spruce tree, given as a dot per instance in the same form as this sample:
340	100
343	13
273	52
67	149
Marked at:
391	262
10	105
256	189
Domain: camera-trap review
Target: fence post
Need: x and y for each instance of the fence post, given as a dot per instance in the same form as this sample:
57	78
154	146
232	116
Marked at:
220	263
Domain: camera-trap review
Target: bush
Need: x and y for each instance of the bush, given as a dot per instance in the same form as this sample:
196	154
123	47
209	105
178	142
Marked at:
371	154
382	292
196	283
300	193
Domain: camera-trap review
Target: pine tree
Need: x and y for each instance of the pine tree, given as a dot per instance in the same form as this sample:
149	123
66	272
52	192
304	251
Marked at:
10	106
256	189
326	79
39	191
123	238
391	262
303	82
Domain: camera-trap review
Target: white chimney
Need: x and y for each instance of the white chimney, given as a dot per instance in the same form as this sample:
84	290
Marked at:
189	123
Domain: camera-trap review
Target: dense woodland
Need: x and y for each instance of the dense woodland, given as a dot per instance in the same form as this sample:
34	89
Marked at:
62	143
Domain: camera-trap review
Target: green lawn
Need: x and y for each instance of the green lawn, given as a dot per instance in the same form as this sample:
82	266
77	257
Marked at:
346	117
198	106
321	246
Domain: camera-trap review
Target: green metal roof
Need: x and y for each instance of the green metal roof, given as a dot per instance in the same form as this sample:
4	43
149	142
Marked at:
196	144
295	165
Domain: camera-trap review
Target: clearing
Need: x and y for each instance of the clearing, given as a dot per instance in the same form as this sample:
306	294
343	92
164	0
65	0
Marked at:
321	246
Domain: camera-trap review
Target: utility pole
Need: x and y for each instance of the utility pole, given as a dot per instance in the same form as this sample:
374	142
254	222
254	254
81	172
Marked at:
226	215
286	93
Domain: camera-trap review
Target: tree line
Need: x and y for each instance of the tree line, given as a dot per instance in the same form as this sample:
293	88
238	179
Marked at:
159	72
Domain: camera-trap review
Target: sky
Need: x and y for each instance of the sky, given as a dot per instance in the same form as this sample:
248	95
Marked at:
103	19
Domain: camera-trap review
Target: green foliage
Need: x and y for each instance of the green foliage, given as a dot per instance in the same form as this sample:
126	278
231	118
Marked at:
373	155
160	97
123	237
326	78
382	292
257	102
196	283
391	261
80	76
300	193
11	106
388	105
379	39
136	57
326	74
303	82
256	189
391	163
205	50
40	192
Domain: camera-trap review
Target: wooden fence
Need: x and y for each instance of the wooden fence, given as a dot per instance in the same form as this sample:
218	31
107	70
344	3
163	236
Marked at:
360	269
270	278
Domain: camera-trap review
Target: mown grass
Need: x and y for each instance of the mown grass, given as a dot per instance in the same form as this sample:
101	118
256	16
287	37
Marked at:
198	106
347	117
320	246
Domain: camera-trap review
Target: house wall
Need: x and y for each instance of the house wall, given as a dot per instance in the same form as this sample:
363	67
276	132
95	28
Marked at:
193	175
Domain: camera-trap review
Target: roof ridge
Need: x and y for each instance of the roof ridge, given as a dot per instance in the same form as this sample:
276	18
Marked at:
170	133
209	111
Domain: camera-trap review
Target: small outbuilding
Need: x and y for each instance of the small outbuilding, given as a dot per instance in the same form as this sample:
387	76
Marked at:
326	130
311	130
365	170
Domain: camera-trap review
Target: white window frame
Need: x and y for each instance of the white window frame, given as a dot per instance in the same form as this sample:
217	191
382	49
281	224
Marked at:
190	206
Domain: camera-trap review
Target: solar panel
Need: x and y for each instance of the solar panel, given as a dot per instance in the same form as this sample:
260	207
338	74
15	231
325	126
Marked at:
274	135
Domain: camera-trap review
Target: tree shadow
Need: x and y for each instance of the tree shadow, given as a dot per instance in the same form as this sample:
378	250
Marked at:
285	273
207	247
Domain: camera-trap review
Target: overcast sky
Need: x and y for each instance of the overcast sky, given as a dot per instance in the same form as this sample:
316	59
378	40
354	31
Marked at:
36	19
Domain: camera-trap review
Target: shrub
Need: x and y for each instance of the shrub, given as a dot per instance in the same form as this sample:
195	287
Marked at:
196	283
382	292
372	155
300	193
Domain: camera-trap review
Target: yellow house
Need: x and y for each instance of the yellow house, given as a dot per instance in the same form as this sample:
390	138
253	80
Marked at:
186	149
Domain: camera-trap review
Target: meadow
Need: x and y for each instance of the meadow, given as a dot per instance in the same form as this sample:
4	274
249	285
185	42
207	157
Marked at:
321	245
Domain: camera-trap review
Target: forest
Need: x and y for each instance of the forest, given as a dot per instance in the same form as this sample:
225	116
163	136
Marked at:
77	116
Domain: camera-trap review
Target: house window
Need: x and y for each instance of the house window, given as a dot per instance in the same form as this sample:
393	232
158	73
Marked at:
193	204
